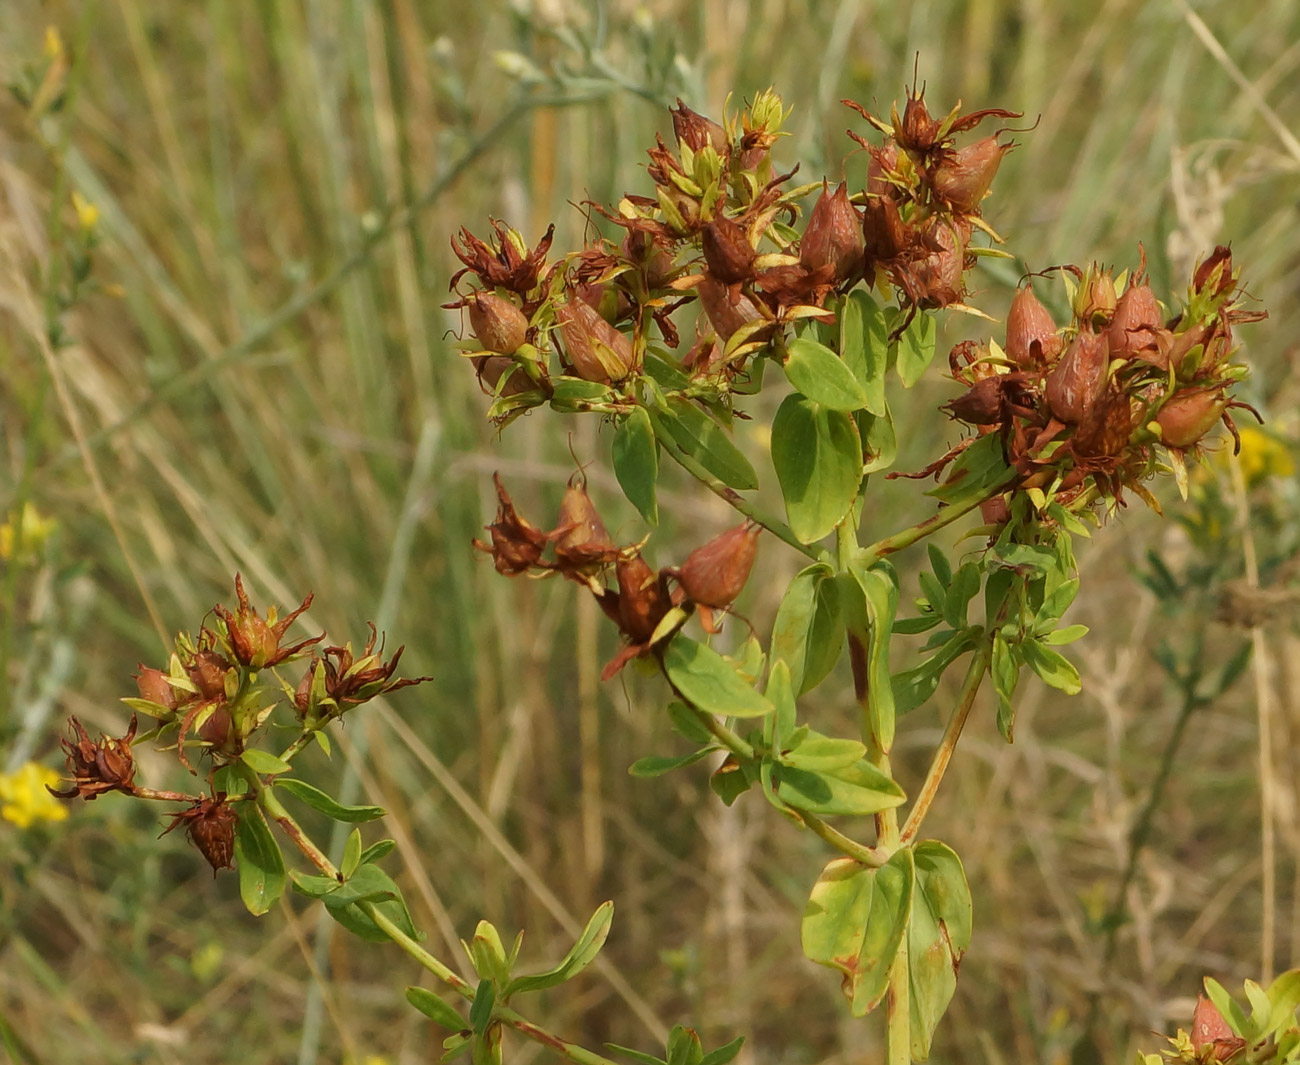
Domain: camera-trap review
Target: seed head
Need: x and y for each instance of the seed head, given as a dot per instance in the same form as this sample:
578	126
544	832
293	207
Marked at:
714	574
497	323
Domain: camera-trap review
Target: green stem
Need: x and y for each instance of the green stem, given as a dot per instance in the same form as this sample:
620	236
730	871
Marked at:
293	830
907	537
729	495
868	856
725	736
943	755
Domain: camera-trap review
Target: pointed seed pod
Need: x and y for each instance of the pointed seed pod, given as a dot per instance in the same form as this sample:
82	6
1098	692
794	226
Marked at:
1136	320
582	542
492	368
714	574
727	251
834	235
498	324
155	687
597	351
1030	324
1078	378
642	598
725	315
962	180
695	131
1190	414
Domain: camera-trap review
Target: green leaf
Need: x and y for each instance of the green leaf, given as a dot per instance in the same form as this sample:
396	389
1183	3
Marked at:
809	632
261	762
819	753
916	349
854	922
855	790
880	591
230	779
864	343
880	440
706	679
261	865
455	1045
1005	673
377	850
656	765
687	723
566	392
326	804
912	687
938	934
724	1053
1284	999
684	1046
370	884
818	460
314	887
694	432
1065	634
778	727
1227	1007
730	781
977	473
434	1008
1057	602
488	953
480	1010
636	463
1052	666
351	854
822	376
636	1055
965	583
582	954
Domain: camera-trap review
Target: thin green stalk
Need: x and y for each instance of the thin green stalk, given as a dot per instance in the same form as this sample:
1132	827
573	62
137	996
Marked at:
293	830
851	848
912	534
943	755
729	495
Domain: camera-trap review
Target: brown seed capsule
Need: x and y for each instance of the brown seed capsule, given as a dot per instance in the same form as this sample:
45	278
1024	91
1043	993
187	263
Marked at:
1032	341
210	826
643	598
1105	428
1189	414
207	671
727	251
493	368
884	234
596	350
1210	1030
517	545
1078	378
981	404
995	511
154	686
695	131
936	281
714	574
834	235
256	643
498	324
1137	318
724	314
963	178
582	543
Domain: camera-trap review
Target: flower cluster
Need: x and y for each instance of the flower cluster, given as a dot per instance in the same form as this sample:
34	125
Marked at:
210	699
720	233
647	605
1096	406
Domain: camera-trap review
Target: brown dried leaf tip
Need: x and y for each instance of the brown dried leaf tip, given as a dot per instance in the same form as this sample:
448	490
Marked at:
94	768
516	545
210	825
256	642
508	264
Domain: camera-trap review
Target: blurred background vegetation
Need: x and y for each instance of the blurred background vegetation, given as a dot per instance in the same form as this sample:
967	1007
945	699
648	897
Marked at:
258	376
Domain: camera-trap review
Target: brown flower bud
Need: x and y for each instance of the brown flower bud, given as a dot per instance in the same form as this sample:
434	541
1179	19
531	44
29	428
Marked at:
582	543
995	511
1189	414
981	404
492	369
516	544
643	598
917	131
498	324
1210	1030
1137	318
1214	276
1078	378
1032	340
595	349
963	178
834	236
936	281
727	251
154	686
1104	430
885	236
207	671
95	768
714	574
210	826
640	248
216	728
725	314
695	131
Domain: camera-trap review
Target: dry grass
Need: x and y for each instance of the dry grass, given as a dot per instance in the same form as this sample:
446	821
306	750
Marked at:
275	391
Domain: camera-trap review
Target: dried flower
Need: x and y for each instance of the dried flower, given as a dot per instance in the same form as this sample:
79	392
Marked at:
963	177
95	768
643	598
727	251
582	543
595	349
508	265
210	825
256	643
695	131
1189	414
725	313
155	686
350	681
516	544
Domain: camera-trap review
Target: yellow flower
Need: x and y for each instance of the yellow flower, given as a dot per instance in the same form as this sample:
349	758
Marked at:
87	212
1262	456
24	797
35	529
53	42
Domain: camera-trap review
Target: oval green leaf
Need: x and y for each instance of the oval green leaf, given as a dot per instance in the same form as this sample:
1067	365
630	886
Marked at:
818	459
855	790
656	765
636	463
809	632
434	1008
326	804
822	376
706	679
263	762
692	431
938	934
261	865
916	349
864	343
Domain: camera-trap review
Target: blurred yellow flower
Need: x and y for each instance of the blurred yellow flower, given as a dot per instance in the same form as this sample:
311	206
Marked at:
53	42
87	212
1262	456
24	797
35	529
